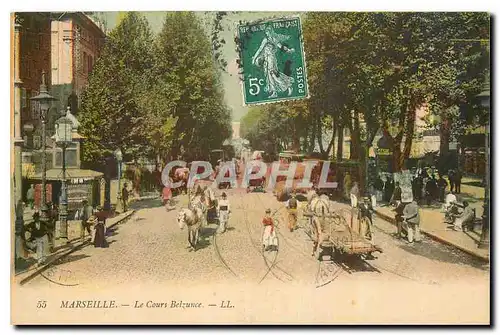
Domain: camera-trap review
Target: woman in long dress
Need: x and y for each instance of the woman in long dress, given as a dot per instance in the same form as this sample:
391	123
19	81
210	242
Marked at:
265	57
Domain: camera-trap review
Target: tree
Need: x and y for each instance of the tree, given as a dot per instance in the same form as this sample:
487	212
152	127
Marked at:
112	114
189	84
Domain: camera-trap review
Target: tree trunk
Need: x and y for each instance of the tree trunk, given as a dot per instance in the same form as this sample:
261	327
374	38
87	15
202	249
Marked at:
313	136
295	139
320	135
444	143
340	143
355	137
411	114
332	141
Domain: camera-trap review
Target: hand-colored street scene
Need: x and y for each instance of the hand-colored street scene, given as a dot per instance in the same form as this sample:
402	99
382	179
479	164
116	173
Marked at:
317	150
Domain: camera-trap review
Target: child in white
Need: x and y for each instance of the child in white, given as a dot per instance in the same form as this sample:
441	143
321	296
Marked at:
223	210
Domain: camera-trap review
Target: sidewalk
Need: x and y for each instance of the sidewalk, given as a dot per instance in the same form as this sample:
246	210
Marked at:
31	269
432	224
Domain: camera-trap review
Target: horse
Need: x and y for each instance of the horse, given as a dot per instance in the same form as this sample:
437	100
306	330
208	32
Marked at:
192	218
319	206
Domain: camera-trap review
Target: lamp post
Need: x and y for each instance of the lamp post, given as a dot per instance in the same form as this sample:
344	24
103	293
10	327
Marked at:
64	138
119	158
44	98
484	242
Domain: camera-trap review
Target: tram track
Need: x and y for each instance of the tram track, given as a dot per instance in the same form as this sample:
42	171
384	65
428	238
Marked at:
270	265
221	259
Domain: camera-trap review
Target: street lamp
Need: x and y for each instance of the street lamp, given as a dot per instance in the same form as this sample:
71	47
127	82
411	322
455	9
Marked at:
44	98
119	158
484	242
63	139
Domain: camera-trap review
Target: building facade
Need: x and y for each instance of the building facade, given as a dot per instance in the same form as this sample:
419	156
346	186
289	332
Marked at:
76	43
63	46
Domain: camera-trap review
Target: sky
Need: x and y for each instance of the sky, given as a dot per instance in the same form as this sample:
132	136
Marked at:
230	79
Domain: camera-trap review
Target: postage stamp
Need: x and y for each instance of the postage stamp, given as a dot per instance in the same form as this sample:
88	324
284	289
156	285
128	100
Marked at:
273	60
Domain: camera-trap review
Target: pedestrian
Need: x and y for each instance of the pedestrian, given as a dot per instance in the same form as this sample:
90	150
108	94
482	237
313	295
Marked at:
365	211
347	185
458	181
466	218
379	188
125	197
411	217
39	233
442	185
354	195
30	196
85	213
167	196
417	188
291	206
429	191
451	178
223	211
269	238
50	225
99	222
388	189
396	194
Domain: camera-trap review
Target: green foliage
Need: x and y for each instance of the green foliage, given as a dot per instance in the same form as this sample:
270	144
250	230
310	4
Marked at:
371	71
112	114
188	82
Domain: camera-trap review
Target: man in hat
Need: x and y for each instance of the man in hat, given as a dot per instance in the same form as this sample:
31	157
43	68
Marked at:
465	218
223	211
365	212
412	218
269	239
291	206
125	195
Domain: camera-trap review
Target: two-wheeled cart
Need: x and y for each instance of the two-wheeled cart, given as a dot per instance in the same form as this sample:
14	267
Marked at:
335	236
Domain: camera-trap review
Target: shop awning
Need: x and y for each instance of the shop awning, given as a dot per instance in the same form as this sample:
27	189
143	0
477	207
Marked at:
76	176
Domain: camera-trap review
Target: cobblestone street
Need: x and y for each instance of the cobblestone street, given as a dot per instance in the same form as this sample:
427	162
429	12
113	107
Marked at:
150	248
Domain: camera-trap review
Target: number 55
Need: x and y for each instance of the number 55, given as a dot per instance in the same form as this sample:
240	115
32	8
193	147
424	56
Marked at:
254	86
41	304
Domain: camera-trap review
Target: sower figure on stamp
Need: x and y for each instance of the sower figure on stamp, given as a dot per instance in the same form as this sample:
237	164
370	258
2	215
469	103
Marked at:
265	57
269	238
85	213
291	205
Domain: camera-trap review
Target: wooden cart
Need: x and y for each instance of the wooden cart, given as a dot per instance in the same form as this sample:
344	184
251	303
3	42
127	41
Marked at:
341	236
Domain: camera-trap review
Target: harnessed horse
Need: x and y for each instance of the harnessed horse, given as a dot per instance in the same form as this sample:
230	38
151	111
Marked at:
192	218
319	206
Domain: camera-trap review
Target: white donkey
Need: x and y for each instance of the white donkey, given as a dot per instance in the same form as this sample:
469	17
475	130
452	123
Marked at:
192	218
319	206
